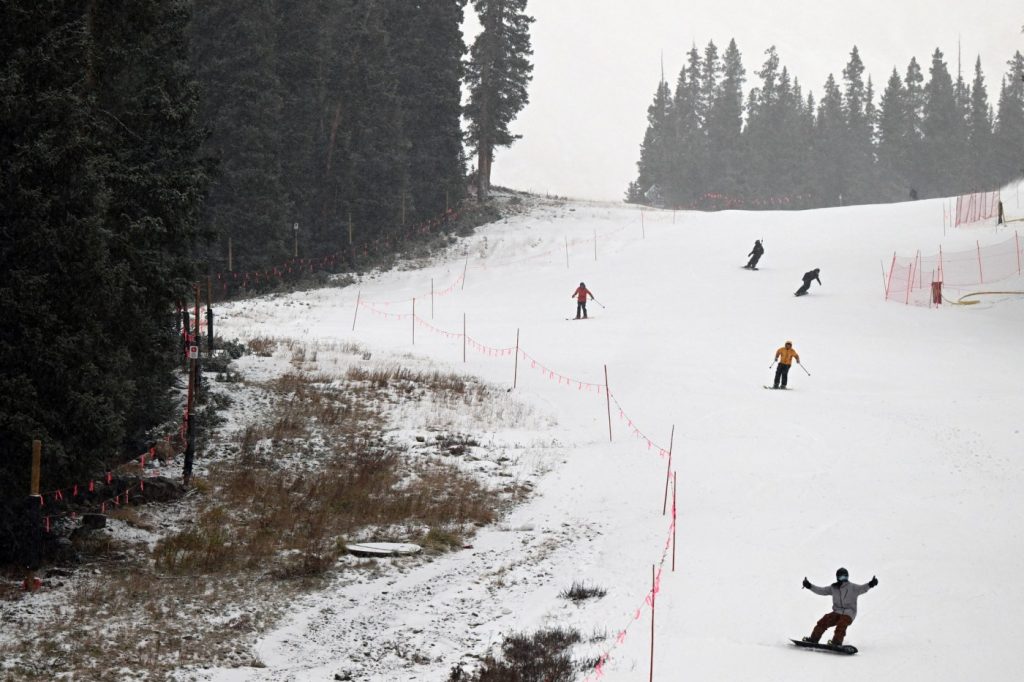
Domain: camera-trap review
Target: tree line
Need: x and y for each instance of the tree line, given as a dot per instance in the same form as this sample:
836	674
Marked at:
710	145
143	145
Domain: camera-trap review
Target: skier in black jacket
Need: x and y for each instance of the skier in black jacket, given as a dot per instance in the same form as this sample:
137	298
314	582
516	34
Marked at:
757	252
808	278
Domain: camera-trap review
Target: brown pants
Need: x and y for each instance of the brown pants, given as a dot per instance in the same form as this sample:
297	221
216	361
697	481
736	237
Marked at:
827	621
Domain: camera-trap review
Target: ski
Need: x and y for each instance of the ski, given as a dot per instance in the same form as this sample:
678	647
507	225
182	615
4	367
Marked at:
573	319
781	388
841	649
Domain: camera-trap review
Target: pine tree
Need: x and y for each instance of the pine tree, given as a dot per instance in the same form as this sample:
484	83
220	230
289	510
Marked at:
655	165
365	160
234	53
980	147
829	145
858	154
942	128
148	101
497	75
60	342
1009	132
724	127
685	182
426	39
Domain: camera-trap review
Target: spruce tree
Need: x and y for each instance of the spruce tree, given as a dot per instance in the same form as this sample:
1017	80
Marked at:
655	165
497	75
941	126
61	344
234	54
726	160
1009	132
858	154
979	125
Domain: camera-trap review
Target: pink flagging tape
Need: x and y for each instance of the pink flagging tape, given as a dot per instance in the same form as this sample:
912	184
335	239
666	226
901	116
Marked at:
620	638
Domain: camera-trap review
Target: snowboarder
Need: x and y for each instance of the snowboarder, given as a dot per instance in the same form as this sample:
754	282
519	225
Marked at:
756	254
808	278
844	606
784	356
581	294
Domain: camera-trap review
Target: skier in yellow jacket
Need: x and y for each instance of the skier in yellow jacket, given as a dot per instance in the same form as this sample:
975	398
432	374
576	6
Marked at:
785	357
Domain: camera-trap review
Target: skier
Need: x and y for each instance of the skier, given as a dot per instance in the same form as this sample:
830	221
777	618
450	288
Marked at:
808	278
844	606
757	252
581	294
784	356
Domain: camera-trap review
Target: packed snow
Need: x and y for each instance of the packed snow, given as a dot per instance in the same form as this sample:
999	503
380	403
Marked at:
898	455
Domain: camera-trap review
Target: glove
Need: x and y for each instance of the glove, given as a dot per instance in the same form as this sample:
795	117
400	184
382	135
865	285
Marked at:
873	582
807	584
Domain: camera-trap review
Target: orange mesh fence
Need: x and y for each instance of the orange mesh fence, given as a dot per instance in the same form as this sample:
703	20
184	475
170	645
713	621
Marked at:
910	280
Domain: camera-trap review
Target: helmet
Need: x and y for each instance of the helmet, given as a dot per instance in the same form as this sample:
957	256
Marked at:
842	574
789	343
582	284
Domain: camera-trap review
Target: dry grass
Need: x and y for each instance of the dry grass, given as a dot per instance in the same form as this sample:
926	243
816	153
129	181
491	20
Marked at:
265	525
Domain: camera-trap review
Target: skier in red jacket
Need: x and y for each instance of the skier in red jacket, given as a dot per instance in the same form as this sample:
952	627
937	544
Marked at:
581	294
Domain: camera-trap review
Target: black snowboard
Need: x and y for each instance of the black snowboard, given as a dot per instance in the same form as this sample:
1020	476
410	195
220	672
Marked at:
797	293
747	267
841	649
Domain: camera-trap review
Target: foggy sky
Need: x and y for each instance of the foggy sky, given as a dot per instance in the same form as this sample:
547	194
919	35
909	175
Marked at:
597	64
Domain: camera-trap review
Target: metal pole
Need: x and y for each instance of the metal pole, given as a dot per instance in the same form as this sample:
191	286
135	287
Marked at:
892	268
356	313
464	268
463	337
981	275
515	369
668	472
608	400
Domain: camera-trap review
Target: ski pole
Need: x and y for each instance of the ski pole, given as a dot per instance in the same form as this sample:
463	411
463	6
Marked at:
771	365
597	302
803	368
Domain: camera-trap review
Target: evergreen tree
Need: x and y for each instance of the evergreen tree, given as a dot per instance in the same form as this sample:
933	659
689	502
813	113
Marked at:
426	39
687	161
234	53
829	145
979	125
300	55
858	154
497	76
942	128
1009	132
365	162
655	165
913	148
148	103
725	123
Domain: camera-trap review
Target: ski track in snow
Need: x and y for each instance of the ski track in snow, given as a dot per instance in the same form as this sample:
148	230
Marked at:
899	456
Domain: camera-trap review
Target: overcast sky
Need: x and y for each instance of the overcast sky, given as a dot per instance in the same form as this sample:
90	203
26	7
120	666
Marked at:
596	66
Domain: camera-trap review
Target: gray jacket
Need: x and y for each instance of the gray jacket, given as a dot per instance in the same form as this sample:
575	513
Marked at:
844	597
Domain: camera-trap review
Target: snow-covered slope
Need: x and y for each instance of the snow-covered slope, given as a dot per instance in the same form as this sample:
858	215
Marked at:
900	456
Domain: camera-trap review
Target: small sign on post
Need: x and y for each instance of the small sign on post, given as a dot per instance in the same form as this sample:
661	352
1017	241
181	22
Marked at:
193	352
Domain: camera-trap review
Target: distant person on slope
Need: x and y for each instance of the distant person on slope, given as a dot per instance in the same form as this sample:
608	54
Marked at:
784	356
808	278
844	606
581	294
756	254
